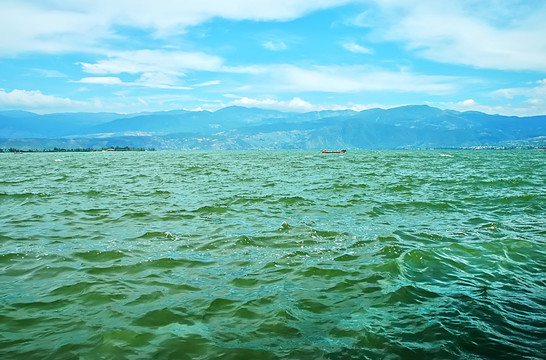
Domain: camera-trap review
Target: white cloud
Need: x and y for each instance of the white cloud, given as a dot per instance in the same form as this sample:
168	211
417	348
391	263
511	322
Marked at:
274	45
102	80
157	81
522	101
72	26
537	91
209	107
35	100
208	83
231	96
296	104
346	79
468	102
153	61
356	48
157	68
28	26
472	105
123	101
484	34
47	73
529	100
163	69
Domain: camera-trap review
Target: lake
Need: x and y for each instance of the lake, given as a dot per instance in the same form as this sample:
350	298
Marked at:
273	255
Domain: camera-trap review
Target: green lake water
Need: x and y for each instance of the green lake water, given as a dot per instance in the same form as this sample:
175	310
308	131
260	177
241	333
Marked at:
273	255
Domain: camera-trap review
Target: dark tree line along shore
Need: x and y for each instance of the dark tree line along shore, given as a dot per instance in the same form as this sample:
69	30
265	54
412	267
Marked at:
116	148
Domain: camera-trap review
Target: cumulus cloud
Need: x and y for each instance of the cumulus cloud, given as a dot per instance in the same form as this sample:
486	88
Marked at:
468	102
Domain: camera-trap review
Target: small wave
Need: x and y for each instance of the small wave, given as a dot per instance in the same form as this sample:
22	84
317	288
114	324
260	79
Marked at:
136	215
163	317
412	207
73	289
177	215
293	200
57	304
246	200
326	273
158	235
245	282
100	256
95	211
147	298
245	240
390	252
521	198
328	234
89	193
221	305
170	263
409	294
24	195
312	306
148	265
399	188
346	257
205	210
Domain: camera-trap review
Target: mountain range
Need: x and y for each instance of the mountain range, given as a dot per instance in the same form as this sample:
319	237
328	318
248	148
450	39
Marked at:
241	128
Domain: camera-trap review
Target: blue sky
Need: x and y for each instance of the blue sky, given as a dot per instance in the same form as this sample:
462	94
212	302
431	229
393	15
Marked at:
131	56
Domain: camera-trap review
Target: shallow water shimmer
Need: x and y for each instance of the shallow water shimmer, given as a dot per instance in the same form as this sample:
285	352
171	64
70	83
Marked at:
273	255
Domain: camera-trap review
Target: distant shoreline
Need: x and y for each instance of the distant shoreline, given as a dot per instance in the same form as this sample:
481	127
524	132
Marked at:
55	150
126	149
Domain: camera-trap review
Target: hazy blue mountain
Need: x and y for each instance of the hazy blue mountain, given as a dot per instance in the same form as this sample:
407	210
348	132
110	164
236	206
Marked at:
22	124
18	114
406	127
202	122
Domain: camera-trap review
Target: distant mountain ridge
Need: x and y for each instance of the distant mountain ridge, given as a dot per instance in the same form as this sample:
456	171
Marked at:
240	128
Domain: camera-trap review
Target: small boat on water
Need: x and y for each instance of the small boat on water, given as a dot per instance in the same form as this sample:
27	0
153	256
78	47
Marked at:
334	152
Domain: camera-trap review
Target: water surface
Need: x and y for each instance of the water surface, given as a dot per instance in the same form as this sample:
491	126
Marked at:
273	255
